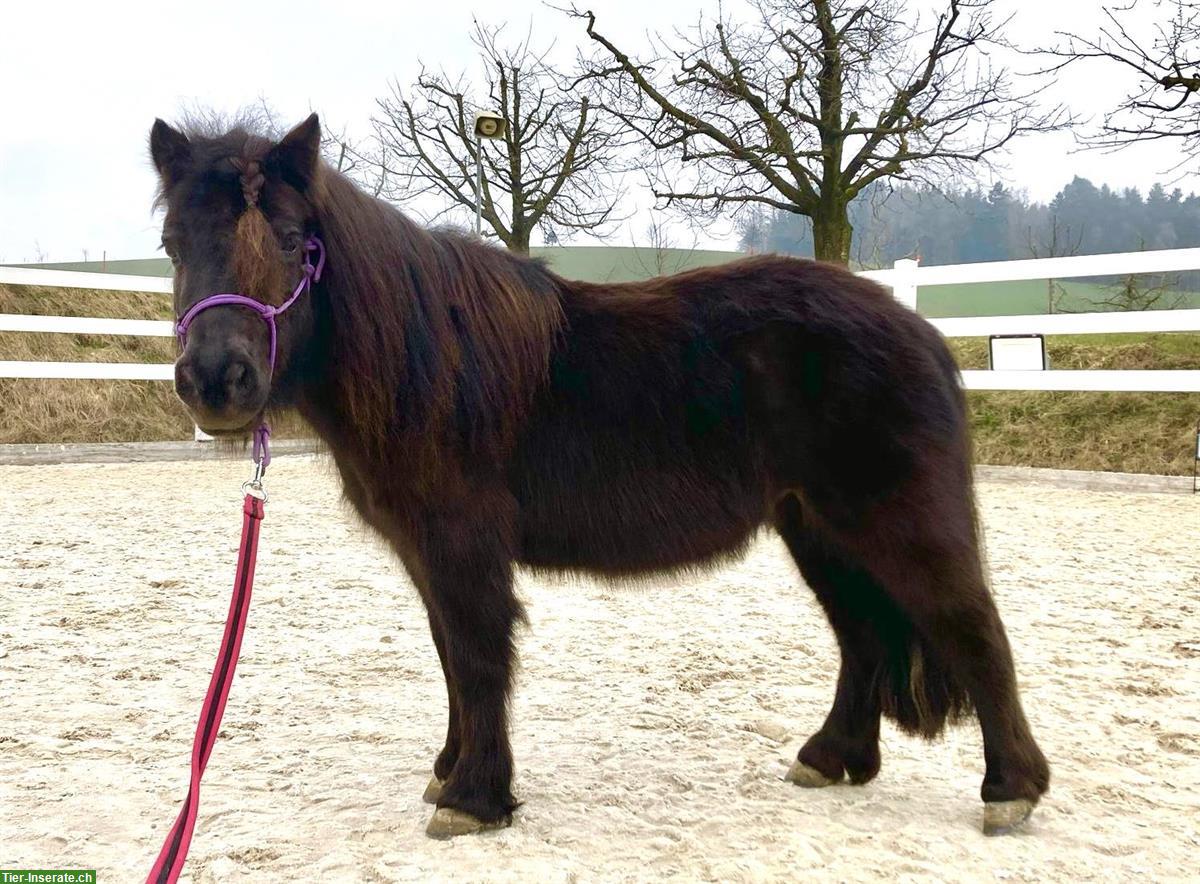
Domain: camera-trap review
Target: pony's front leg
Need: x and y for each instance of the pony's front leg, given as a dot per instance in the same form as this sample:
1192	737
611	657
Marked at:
469	572
449	755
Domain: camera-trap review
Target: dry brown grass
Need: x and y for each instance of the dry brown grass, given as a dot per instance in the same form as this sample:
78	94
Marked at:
84	302
1114	432
1127	432
1121	432
85	410
82	410
90	411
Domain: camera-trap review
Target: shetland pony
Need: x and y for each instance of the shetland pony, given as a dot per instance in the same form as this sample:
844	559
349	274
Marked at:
484	413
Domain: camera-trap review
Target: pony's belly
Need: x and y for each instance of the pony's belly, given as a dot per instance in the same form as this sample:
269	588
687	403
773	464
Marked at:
650	535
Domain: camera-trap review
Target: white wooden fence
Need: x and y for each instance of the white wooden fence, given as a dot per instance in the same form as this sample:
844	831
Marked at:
904	279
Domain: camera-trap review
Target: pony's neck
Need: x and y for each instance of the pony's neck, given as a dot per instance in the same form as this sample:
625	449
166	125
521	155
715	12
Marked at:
415	331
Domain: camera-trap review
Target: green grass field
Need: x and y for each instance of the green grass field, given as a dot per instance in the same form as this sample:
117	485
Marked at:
1019	298
591	263
628	263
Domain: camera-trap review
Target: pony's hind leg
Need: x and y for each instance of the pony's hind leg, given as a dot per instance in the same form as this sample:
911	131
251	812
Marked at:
847	744
926	558
950	602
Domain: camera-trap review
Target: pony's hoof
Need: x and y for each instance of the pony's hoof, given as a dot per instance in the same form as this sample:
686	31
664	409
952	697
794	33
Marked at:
433	791
809	777
447	822
1002	817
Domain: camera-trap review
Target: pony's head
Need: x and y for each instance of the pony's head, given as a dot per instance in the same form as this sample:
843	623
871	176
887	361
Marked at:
239	208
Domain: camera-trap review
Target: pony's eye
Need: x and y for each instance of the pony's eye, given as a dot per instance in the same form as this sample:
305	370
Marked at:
168	246
291	242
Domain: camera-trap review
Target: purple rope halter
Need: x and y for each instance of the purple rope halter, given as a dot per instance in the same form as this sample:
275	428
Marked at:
262	448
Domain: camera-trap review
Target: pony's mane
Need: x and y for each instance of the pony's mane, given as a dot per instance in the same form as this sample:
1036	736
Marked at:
463	330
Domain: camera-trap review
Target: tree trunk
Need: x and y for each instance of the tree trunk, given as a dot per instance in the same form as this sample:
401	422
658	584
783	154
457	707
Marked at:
831	235
519	242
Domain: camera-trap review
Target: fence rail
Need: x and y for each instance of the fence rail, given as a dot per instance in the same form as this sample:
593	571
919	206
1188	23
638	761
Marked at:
1071	323
76	279
85	325
905	278
1087	380
907	275
109	371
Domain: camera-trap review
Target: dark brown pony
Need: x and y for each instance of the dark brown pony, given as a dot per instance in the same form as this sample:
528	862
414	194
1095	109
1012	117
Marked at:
485	413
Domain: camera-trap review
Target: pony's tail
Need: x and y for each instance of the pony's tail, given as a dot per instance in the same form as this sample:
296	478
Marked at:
915	688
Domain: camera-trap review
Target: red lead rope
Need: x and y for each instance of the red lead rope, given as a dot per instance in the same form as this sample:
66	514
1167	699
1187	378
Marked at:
174	851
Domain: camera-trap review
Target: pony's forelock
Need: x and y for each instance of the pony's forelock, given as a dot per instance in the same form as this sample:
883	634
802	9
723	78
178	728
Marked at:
244	136
256	264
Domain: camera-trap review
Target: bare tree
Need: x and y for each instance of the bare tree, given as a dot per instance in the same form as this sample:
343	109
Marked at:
754	229
355	158
662	255
557	167
1155	291
1134	292
344	153
1056	243
814	101
1163	59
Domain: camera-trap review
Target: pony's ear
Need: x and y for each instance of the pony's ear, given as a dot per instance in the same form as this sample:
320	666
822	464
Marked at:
295	158
170	150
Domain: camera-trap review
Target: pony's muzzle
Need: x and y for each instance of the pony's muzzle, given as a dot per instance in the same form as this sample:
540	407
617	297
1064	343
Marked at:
225	390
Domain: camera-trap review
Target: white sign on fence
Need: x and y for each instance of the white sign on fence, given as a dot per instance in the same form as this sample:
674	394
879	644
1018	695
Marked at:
1017	353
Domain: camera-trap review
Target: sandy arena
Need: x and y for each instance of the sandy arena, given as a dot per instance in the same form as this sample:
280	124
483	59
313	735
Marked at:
652	726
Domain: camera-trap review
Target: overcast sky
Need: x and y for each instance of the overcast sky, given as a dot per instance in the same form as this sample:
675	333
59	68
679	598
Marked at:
83	83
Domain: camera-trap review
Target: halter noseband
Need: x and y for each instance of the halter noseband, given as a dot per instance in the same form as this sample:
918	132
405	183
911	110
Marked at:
266	312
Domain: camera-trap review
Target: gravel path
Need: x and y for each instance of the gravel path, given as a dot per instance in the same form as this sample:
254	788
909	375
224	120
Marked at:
652	723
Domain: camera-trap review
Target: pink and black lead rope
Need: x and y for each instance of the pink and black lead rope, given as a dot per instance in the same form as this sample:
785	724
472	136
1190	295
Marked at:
171	858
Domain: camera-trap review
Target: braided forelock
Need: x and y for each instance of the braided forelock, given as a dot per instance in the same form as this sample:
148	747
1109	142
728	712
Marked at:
256	263
252	179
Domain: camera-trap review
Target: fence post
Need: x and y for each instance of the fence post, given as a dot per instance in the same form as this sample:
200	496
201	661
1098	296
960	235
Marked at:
904	282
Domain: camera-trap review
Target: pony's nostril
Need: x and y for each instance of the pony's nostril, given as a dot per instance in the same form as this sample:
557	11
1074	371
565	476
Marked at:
235	376
241	380
185	381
